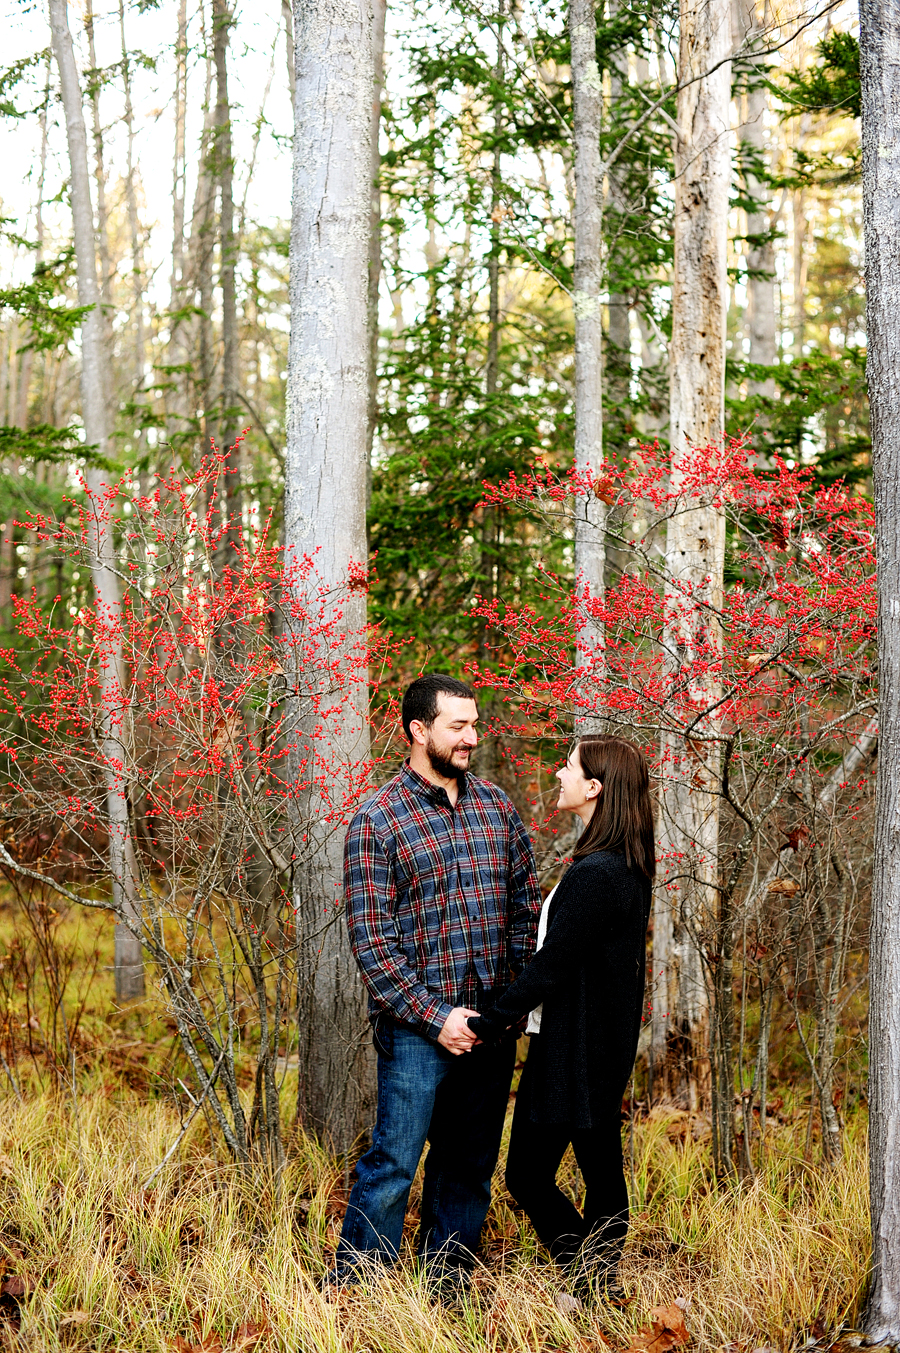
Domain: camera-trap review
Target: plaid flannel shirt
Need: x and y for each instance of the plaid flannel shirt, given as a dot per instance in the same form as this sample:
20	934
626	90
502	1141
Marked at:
442	902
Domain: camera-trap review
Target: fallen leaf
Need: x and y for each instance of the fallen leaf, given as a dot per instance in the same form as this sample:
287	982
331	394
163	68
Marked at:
247	1336
211	1344
76	1318
17	1285
667	1330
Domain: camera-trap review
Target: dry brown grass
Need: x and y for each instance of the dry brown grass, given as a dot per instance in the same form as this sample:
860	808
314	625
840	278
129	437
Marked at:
207	1257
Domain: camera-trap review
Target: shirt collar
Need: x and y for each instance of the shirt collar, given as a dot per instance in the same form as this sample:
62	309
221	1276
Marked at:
435	794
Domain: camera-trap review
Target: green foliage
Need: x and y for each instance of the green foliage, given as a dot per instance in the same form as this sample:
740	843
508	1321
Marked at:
819	400
41	303
42	443
832	85
479	157
437	550
12	76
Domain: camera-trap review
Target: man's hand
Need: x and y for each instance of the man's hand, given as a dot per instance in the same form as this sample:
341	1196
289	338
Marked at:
456	1036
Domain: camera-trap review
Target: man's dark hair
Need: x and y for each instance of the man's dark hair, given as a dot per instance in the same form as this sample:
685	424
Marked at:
420	700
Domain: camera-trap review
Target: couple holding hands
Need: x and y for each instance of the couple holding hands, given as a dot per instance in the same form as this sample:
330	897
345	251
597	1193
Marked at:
456	950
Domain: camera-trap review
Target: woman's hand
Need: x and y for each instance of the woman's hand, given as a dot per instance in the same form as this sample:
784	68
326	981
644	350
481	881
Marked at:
486	1028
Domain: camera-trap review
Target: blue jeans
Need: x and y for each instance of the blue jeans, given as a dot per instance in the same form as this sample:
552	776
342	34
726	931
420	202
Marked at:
457	1105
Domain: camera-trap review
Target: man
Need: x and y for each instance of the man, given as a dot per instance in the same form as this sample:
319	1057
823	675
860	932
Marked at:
442	906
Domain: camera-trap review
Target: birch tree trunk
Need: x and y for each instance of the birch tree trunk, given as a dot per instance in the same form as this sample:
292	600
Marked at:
178	401
137	269
879	40
95	412
102	237
617	357
202	249
326	474
228	427
590	522
685	898
288	18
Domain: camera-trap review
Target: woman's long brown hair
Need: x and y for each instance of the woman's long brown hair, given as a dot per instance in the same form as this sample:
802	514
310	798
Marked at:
623	818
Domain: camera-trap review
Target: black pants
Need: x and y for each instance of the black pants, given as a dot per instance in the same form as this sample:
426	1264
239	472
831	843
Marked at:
591	1244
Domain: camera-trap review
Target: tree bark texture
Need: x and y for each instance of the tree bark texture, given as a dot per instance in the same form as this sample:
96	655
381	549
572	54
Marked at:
228	427
129	967
137	268
179	401
379	10
617	357
104	258
880	75
325	512
288	17
197	281
685	899
590	521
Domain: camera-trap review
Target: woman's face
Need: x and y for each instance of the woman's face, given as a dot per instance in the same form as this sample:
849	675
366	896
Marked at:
576	793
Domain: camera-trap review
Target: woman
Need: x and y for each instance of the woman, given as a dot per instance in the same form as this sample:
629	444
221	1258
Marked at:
584	990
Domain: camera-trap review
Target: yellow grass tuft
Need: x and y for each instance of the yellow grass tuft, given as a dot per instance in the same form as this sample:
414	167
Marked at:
208	1257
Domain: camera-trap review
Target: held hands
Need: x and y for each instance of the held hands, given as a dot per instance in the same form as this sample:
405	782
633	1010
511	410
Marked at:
456	1036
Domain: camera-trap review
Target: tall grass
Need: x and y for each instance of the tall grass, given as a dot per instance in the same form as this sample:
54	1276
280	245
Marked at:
207	1256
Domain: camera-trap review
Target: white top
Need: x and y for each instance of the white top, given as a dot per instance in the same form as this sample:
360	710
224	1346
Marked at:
534	1019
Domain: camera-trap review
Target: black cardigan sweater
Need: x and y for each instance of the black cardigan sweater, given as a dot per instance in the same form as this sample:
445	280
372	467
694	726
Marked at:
589	974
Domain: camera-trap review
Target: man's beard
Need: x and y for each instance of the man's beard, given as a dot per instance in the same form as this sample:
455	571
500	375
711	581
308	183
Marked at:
442	765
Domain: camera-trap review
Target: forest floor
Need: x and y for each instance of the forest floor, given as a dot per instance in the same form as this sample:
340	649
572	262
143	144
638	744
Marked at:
206	1259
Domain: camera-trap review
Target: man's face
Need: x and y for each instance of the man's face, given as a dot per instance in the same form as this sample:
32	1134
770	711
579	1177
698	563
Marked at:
452	738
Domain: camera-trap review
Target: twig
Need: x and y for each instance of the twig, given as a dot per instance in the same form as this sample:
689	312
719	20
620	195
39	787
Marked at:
198	1104
49	882
12	1080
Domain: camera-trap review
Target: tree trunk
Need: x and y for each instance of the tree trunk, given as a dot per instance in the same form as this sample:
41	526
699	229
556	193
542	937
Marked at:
722	1044
617	358
179	406
590	521
379	8
228	427
879	42
288	18
686	897
102	222
95	410
325	511
801	268
137	269
489	751
26	365
198	287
